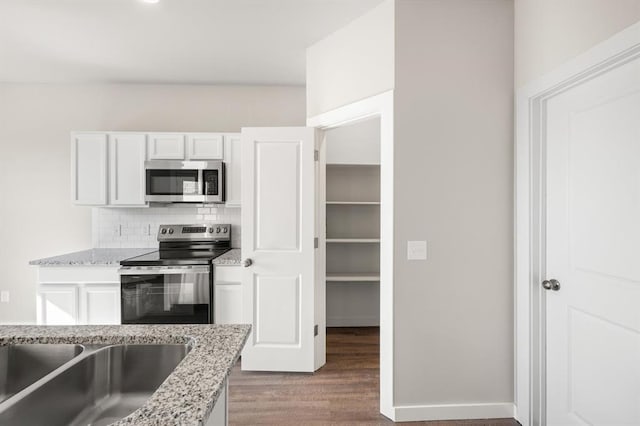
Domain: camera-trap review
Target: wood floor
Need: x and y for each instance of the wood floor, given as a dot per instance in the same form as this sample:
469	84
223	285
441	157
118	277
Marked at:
343	392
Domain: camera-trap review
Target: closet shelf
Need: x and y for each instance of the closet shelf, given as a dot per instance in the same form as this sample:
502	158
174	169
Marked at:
354	203
353	240
351	277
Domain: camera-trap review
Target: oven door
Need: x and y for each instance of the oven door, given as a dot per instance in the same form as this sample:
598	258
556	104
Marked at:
167	295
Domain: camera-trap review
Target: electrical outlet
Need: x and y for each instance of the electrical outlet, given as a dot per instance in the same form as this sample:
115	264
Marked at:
4	296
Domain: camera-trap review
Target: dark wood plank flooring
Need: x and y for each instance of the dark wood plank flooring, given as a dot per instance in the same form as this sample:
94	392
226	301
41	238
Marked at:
343	392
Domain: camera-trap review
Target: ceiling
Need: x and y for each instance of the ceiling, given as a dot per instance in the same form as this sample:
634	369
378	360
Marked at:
174	41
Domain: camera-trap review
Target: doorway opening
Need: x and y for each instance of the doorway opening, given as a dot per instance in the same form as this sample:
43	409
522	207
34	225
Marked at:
351	154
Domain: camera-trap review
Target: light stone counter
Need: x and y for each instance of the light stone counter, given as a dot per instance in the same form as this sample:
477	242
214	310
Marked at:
230	258
96	256
188	395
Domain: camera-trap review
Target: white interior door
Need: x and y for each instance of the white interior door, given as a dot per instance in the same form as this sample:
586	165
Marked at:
593	250
278	221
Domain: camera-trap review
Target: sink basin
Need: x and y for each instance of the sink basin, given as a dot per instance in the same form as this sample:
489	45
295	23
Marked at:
98	388
23	365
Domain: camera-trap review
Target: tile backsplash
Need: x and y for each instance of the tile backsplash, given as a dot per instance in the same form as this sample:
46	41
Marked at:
138	227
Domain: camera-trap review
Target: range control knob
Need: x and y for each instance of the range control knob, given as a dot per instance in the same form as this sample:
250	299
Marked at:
170	230
218	230
163	231
224	230
211	230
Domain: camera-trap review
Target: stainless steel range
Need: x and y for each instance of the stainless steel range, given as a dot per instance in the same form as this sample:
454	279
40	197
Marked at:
174	285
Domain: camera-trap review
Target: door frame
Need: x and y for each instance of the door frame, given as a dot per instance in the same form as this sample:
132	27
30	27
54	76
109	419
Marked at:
530	210
377	106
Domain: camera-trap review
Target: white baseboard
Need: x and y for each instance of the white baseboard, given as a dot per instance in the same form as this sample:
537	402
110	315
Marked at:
412	413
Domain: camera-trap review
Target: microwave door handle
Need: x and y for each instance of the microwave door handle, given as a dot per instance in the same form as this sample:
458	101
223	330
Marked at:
201	182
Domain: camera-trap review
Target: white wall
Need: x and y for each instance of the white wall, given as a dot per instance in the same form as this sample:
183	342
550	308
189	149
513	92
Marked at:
353	63
36	214
453	187
453	148
550	32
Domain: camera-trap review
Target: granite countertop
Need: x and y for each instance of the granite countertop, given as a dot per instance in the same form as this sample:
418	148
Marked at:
230	258
96	256
188	395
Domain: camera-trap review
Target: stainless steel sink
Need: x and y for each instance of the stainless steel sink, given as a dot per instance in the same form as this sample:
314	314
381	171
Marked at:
23	365
98	388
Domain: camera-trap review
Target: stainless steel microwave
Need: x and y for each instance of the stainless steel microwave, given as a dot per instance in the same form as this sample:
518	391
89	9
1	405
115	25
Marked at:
176	181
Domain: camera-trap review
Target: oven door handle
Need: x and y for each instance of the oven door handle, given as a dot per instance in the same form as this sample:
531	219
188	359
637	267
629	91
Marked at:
178	270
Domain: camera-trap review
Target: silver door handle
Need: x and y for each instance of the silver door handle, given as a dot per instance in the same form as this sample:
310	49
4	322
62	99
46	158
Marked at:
247	262
551	285
164	271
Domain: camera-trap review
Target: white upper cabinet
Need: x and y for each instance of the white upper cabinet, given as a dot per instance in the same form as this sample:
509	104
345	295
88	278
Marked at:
89	168
205	146
107	168
185	146
126	169
166	146
232	159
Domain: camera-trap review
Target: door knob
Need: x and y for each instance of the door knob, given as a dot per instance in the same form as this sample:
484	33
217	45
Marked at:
551	285
247	262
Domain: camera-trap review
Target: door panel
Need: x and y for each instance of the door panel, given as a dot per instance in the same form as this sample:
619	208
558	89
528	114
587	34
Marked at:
278	310
593	242
278	222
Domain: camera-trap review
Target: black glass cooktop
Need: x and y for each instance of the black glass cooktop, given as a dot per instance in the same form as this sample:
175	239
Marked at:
175	257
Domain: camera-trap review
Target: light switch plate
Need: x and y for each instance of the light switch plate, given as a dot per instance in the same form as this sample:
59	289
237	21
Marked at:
4	296
416	250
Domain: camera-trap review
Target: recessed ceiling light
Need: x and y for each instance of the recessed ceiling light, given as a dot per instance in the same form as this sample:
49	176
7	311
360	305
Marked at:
150	1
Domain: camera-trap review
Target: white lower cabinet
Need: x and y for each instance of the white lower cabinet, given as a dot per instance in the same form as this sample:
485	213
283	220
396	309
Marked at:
220	414
100	303
78	295
57	304
228	295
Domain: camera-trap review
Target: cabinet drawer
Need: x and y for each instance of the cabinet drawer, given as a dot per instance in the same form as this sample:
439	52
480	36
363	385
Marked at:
78	274
228	274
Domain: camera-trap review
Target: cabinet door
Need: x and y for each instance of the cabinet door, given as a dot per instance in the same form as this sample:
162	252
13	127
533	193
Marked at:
228	303
166	146
89	168
232	159
100	304
57	304
204	146
126	169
